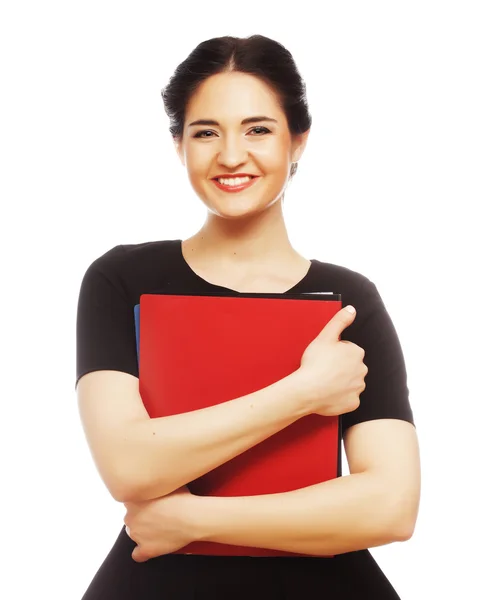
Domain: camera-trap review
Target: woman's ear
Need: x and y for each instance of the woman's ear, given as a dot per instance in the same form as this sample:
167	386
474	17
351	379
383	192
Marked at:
299	145
179	148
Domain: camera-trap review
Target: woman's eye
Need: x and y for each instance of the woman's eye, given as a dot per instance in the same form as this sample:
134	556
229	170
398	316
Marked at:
262	128
199	133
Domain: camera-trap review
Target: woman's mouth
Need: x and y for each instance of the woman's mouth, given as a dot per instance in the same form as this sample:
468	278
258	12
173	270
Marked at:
235	185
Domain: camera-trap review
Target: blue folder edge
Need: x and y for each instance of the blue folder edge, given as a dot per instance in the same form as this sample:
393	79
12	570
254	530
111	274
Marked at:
136	323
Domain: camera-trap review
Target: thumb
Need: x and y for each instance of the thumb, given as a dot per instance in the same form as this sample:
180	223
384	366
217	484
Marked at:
137	555
339	322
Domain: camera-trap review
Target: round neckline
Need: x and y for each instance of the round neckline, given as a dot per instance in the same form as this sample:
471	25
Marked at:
196	276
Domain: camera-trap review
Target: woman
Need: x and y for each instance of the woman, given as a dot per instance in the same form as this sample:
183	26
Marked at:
240	121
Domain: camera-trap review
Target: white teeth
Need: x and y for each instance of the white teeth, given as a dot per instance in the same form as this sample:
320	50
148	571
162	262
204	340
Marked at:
235	181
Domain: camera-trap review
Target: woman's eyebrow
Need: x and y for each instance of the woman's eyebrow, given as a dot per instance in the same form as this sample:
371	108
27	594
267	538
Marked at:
243	122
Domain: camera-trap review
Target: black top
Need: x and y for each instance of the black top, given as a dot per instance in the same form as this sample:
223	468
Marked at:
106	339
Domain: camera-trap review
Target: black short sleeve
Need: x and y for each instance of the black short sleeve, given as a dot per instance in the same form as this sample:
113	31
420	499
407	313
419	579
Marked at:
105	329
386	395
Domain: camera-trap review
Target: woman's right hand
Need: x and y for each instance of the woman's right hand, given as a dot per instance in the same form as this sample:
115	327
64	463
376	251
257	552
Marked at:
332	371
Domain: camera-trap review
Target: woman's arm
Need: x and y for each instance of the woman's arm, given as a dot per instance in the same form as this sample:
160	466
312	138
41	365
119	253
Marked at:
140	458
376	504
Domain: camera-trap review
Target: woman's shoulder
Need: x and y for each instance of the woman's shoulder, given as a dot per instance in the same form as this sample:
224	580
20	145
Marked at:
344	279
125	257
134	268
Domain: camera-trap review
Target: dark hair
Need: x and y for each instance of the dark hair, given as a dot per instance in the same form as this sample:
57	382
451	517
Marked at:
257	55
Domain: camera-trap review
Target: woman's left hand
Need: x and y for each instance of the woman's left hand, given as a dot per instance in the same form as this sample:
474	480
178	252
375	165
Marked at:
161	525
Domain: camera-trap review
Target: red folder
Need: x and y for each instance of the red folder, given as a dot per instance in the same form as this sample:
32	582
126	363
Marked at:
197	351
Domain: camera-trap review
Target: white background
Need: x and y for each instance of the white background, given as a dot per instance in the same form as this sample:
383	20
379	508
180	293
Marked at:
393	184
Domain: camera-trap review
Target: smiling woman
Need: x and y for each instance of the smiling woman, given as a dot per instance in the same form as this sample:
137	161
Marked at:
239	120
237	105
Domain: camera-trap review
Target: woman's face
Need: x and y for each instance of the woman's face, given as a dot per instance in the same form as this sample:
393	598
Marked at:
262	148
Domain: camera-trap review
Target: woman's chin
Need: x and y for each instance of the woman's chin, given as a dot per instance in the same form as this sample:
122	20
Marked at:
237	206
237	210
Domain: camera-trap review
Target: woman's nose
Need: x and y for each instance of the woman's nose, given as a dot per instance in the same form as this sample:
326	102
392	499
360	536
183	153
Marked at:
232	152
